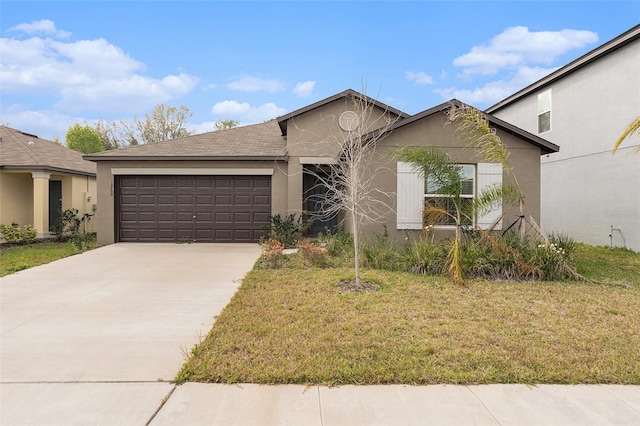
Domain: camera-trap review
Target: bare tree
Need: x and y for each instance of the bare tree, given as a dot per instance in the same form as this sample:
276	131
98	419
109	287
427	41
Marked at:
225	124
164	123
349	183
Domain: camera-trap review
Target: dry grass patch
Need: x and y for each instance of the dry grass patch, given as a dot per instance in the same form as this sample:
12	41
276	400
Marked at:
294	326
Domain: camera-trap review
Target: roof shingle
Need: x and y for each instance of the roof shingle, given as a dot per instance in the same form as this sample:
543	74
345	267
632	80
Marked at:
19	150
258	141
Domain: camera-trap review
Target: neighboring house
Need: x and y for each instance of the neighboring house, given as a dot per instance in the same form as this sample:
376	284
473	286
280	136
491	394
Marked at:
222	186
587	193
39	179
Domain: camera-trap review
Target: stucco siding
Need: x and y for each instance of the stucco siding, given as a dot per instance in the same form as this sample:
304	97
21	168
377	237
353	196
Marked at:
432	131
16	198
585	189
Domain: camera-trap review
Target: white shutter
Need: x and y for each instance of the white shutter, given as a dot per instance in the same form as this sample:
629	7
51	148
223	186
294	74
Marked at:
489	175
410	197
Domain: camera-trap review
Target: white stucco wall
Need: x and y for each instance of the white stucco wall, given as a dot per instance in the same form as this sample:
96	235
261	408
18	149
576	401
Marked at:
585	189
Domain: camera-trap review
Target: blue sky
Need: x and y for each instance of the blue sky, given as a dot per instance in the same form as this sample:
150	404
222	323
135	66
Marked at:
73	62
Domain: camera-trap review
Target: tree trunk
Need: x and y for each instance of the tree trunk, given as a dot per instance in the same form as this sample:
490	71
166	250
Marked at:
356	245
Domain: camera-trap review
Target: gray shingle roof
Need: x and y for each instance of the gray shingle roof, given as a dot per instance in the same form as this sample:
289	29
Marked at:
19	150
259	141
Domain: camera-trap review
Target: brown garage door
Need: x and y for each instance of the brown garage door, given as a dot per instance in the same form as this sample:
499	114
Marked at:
192	208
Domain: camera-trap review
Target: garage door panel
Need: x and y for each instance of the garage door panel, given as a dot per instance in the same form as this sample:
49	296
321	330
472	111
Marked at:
198	208
242	217
242	200
223	217
223	200
261	217
261	200
222	235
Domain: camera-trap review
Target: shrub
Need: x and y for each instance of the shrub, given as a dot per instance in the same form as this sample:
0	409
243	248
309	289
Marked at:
13	234
30	234
313	254
339	244
381	253
68	225
424	257
287	230
272	253
565	242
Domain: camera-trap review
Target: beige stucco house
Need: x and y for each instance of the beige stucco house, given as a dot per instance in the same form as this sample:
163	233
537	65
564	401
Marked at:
39	179
223	186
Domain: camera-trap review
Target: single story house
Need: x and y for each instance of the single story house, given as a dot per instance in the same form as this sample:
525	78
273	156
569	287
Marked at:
39	179
222	186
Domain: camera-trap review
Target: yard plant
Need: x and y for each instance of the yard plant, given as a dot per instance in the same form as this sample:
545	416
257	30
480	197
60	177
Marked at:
297	324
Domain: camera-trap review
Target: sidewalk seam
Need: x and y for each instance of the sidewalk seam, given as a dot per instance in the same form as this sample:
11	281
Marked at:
162	403
482	403
320	406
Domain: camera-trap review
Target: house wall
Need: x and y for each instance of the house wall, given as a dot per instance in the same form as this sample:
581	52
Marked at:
16	198
317	134
585	190
76	191
432	131
105	214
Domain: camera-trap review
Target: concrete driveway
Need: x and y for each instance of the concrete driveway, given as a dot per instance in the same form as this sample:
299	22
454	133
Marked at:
97	337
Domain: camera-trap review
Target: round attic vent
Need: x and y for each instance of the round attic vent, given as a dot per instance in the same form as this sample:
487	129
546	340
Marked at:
348	121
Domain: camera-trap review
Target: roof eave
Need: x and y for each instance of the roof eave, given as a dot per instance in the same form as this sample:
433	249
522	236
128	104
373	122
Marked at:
29	168
97	158
584	60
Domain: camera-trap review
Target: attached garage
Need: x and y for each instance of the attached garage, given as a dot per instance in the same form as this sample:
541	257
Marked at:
213	209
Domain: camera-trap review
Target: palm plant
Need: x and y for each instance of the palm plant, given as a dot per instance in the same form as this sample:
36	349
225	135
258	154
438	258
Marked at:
632	129
444	177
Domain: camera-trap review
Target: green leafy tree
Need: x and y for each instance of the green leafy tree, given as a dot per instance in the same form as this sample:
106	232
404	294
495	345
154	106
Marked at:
84	139
632	129
225	124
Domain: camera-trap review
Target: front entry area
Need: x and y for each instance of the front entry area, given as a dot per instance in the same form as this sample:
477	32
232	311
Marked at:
192	208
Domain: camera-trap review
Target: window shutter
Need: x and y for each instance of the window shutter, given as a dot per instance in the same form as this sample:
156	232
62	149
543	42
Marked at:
410	197
489	175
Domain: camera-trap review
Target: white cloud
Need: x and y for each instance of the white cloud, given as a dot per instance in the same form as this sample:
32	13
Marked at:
254	84
44	124
495	91
230	108
245	112
90	75
208	87
43	26
420	77
304	88
517	46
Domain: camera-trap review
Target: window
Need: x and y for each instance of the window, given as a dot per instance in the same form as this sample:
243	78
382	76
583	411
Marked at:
544	111
413	191
435	195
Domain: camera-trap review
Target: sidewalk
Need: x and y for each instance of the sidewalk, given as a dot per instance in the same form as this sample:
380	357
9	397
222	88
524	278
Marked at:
246	404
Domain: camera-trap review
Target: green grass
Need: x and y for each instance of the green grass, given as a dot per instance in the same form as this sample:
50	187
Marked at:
18	258
606	265
294	326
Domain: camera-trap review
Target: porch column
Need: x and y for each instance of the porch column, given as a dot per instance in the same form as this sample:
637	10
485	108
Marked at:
41	202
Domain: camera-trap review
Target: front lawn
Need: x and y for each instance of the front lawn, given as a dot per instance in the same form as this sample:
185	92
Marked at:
295	326
17	258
